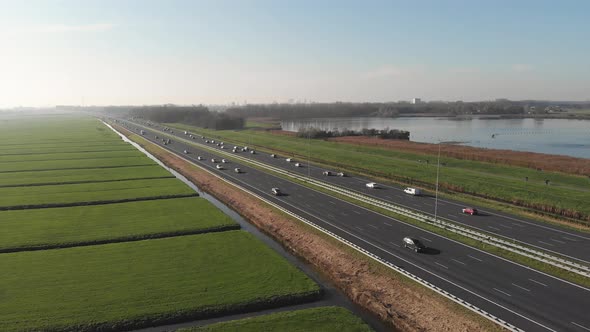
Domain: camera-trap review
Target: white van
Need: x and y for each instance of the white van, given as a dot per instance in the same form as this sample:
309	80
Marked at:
372	185
413	191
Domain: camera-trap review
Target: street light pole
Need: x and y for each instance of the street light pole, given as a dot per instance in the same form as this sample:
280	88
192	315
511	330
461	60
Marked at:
436	192
308	156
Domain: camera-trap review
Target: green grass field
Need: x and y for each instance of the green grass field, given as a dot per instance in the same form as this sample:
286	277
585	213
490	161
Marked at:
70	156
128	285
485	179
60	227
19	166
91	192
11	179
323	319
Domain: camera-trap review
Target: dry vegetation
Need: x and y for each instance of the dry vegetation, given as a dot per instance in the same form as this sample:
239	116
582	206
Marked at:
564	164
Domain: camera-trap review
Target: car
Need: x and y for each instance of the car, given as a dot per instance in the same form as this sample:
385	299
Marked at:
372	185
273	155
218	144
199	158
413	191
213	141
413	244
470	210
157	137
288	160
237	170
276	191
221	143
186	132
206	141
185	151
341	174
252	152
222	147
203	137
234	151
218	166
297	165
235	147
327	173
213	160
224	161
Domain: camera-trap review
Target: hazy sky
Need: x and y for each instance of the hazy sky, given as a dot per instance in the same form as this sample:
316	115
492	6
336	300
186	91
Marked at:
187	52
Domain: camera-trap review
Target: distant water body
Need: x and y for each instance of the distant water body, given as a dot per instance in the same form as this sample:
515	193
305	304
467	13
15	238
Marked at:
551	136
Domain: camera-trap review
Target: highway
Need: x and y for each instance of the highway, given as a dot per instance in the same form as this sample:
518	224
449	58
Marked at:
519	295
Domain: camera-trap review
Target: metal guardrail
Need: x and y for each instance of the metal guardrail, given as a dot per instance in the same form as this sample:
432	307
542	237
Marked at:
392	266
446	224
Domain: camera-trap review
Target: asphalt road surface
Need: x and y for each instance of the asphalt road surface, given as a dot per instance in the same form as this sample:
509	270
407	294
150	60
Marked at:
529	299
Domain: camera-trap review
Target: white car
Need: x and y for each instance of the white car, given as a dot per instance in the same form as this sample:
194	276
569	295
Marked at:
185	151
218	166
273	155
222	147
327	173
252	152
237	170
413	191
213	160
224	161
199	158
206	141
372	185
186	132
288	160
297	165
276	191
341	174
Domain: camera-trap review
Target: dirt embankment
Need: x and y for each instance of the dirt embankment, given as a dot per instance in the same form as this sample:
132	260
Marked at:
406	306
539	161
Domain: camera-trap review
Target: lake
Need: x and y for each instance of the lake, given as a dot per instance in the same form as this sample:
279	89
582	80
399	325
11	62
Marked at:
553	136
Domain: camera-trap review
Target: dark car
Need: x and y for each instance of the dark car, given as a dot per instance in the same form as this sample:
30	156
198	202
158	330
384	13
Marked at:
414	244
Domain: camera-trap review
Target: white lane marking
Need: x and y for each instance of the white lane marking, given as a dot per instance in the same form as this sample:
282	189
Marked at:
519	225
458	261
441	265
375	227
360	229
344	213
502	292
452	215
332	202
549	244
526	289
386	224
418	205
356	212
558	241
330	215
439	203
388	197
426	204
538	282
578	325
477	259
425	239
397	245
569	238
502	225
492	227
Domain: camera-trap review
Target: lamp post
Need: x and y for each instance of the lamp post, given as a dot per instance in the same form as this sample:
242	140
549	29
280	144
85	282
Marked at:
436	191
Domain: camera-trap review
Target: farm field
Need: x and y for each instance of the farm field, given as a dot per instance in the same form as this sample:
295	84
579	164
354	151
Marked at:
69	156
501	182
40	196
13	179
19	166
323	319
132	284
61	227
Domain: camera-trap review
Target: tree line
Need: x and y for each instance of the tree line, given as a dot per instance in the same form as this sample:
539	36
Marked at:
386	133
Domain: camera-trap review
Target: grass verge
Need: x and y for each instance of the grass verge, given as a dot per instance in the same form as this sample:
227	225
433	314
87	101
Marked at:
325	319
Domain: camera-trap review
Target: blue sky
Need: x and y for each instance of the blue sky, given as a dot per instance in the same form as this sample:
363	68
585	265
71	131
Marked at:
189	52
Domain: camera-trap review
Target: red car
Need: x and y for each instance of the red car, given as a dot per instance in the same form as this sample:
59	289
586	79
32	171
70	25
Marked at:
471	211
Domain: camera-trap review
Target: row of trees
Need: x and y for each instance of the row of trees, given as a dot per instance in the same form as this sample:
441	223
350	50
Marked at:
386	133
292	111
199	116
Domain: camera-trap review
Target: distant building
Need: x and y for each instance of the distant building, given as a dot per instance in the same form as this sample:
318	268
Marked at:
416	101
